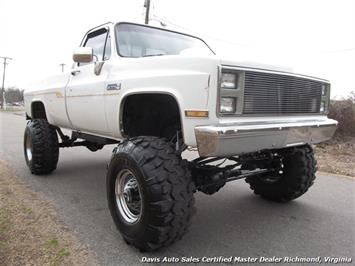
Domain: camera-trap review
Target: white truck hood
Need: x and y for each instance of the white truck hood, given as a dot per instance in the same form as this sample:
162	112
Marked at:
262	66
257	65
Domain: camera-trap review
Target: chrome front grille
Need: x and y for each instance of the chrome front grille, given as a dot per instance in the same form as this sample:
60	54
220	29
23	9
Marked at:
266	93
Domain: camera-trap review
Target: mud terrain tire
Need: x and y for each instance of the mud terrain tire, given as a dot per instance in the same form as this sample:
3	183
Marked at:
162	186
299	167
41	147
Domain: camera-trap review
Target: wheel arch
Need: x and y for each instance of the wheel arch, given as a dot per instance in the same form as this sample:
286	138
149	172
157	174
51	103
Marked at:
160	93
38	110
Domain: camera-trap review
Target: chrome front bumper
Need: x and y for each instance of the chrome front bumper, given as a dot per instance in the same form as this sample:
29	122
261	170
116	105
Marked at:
223	140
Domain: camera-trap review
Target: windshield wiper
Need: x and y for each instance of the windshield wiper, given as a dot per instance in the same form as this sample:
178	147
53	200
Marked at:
148	55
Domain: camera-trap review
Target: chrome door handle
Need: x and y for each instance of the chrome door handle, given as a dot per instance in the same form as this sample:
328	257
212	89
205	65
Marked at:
75	72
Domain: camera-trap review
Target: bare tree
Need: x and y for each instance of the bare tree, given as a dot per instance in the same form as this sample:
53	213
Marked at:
14	94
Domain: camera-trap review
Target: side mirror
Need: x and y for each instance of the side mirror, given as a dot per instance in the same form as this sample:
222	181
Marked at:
83	55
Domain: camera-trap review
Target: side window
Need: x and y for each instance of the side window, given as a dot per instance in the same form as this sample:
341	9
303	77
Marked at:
100	42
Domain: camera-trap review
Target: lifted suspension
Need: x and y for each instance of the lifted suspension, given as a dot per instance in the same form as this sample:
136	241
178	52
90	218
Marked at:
93	143
209	176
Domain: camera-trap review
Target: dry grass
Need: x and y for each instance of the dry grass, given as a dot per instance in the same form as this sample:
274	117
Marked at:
30	233
337	156
13	109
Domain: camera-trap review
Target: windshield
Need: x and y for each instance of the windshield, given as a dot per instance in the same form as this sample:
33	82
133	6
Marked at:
140	41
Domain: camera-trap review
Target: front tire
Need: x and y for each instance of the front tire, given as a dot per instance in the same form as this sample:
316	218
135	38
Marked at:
150	193
298	175
41	148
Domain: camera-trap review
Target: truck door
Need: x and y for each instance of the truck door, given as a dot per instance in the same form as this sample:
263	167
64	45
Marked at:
86	88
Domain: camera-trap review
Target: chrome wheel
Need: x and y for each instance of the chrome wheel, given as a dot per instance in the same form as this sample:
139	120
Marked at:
128	196
28	148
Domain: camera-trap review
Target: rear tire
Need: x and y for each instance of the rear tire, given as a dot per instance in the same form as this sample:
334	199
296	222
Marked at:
157	196
299	167
41	147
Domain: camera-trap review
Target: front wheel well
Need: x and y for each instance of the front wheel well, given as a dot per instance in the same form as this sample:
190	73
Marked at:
151	115
38	111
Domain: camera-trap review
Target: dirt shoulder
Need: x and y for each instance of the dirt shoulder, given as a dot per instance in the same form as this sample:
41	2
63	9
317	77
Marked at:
30	232
337	156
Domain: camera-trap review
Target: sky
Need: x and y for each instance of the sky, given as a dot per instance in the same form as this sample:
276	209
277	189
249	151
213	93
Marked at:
312	37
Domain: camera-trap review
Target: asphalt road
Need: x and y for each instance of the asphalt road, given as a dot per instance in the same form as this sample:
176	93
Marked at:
233	222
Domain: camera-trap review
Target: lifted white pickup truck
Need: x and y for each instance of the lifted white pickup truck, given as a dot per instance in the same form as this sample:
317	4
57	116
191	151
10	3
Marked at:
156	93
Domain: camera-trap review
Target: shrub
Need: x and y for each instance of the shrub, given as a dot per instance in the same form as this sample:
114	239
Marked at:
344	112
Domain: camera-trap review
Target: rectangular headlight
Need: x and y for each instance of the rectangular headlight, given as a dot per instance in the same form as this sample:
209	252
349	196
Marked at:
227	105
228	81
